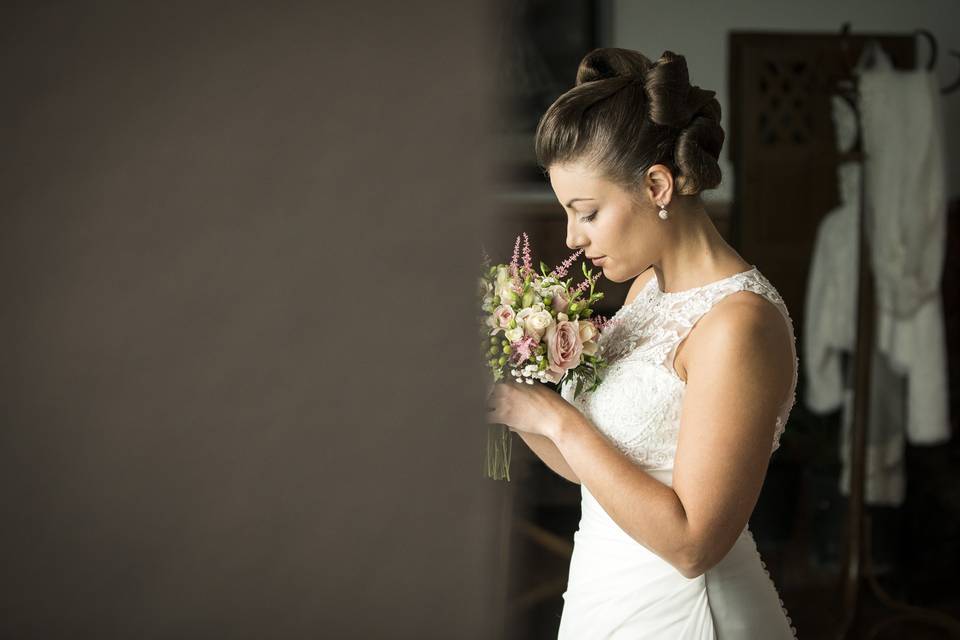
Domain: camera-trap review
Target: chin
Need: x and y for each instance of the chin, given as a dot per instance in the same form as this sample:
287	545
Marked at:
612	277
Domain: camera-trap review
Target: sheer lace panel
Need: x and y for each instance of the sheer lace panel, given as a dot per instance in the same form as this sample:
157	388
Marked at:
637	406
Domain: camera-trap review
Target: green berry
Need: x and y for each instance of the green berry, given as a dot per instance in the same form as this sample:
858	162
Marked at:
502	361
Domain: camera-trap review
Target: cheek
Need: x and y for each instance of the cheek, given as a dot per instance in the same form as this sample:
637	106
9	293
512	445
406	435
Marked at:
612	241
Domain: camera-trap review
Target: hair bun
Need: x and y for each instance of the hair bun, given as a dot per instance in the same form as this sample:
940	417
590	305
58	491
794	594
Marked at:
674	102
612	62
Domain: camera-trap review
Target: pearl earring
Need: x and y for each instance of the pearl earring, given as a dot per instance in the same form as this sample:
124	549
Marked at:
663	212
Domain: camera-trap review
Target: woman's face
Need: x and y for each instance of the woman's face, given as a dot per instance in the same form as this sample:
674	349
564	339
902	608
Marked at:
605	220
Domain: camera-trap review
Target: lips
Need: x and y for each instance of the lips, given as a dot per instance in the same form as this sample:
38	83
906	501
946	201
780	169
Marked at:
598	260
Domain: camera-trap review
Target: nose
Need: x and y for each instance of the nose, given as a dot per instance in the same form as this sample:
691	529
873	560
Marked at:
575	238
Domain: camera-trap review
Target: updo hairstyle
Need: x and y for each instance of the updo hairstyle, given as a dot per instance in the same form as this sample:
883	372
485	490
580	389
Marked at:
626	114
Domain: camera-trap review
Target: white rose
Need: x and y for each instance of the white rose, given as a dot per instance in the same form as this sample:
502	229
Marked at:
521	316
526	312
514	334
537	324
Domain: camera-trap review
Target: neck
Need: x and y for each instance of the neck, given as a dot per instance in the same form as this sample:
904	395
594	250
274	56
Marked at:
695	253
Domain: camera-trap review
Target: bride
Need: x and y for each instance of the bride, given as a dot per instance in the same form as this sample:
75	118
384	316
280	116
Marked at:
672	448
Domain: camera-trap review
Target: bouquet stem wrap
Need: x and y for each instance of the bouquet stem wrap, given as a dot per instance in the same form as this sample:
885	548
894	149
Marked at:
499	448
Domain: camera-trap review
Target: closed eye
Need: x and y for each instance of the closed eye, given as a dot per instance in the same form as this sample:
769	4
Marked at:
590	217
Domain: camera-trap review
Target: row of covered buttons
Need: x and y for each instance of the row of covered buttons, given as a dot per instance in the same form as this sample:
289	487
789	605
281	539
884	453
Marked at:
789	621
763	564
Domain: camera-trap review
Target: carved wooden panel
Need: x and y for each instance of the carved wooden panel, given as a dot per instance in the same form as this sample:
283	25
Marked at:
781	142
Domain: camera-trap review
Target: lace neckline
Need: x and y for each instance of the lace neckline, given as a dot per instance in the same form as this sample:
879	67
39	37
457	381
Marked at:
665	294
653	287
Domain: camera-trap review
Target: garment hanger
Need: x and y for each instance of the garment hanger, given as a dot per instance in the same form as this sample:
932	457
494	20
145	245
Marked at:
866	61
953	86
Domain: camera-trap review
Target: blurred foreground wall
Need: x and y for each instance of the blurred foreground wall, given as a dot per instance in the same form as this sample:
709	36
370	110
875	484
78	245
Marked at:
236	393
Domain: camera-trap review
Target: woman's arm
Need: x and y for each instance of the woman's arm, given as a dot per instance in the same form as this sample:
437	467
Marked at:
548	452
738	375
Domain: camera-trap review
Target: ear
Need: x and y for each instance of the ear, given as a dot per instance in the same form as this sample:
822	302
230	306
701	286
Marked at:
659	186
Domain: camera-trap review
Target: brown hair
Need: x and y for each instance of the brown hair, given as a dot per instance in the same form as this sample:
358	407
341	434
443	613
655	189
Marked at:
626	114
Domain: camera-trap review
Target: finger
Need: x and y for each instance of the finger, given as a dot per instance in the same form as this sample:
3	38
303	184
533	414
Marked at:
496	415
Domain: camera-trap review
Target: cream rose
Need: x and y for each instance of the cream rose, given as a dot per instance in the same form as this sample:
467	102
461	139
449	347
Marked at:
534	320
588	331
537	323
514	334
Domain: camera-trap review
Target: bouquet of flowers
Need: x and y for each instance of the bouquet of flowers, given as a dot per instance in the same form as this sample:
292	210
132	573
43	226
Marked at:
537	328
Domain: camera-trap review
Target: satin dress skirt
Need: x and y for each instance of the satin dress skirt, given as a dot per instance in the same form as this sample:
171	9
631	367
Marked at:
619	589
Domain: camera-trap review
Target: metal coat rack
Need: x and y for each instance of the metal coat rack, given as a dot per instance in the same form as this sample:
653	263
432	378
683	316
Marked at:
855	577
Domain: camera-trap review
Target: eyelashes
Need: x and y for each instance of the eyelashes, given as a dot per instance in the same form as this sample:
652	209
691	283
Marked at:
590	217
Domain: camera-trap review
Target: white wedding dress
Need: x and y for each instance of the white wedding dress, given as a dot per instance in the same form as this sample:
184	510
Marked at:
617	588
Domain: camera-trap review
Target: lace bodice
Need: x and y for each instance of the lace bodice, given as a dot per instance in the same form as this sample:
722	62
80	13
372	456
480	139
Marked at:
637	405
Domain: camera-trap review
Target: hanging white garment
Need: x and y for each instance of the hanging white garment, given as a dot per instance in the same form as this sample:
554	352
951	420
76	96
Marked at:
830	333
905	187
831	295
908	394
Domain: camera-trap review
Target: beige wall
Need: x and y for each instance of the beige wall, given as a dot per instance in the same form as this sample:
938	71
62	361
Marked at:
237	399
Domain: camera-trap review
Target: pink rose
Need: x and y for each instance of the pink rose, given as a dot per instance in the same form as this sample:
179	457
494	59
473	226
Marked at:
563	347
504	314
560	300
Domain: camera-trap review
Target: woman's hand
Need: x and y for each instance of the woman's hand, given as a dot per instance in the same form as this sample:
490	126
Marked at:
532	408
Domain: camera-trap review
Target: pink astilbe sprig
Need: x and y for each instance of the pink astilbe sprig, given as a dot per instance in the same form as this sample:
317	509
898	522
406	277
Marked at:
602	322
580	288
522	349
515	260
561	271
527	259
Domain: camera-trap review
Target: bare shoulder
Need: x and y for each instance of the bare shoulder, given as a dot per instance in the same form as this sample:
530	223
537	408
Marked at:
638	284
744	321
